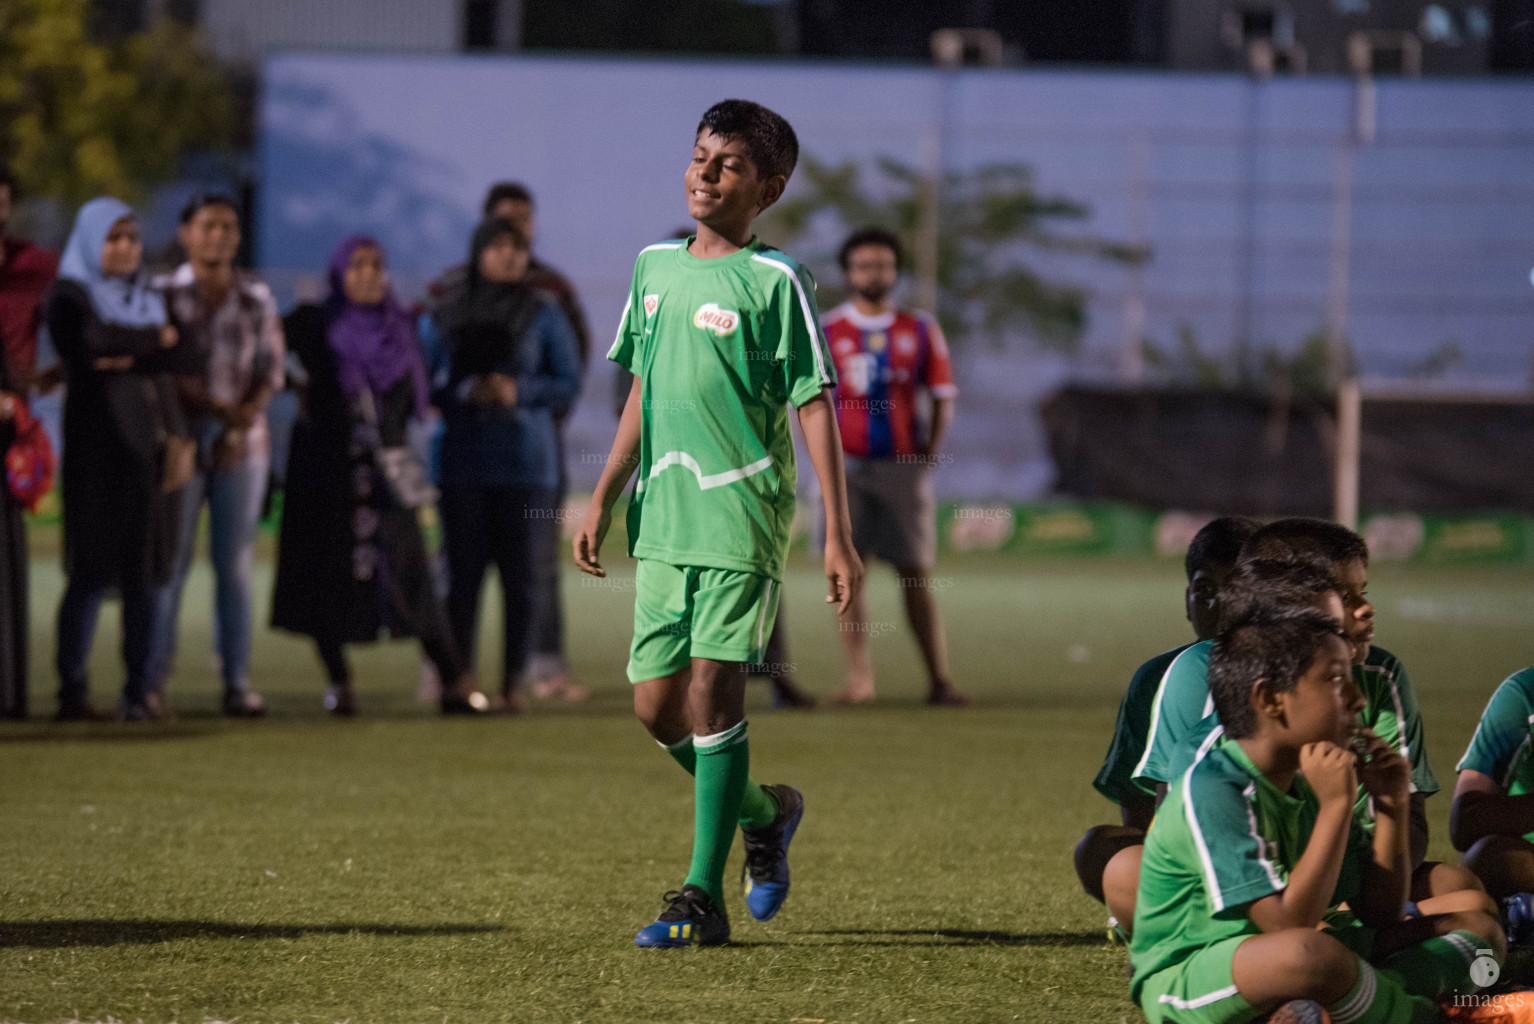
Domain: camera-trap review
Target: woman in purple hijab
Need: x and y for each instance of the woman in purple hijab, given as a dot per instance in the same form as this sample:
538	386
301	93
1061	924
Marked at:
351	562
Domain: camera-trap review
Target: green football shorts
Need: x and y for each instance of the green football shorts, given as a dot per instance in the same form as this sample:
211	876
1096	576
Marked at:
683	612
1199	990
1202	989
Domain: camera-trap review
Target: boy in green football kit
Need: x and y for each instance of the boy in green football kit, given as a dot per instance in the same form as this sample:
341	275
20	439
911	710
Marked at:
721	334
1107	859
1492	820
1259	844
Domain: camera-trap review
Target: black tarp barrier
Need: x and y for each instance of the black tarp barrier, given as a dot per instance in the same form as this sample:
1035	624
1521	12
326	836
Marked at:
1254	454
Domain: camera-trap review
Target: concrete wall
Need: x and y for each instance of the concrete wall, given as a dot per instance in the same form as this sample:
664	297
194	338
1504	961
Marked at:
1232	183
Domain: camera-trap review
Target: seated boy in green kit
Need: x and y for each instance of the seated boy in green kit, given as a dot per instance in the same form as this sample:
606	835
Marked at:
1259	843
1107	872
1260	590
1492	820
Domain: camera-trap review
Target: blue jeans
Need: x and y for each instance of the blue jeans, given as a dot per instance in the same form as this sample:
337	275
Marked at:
233	498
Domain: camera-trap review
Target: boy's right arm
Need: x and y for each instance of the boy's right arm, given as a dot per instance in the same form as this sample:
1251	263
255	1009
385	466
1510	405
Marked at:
621	462
1329	769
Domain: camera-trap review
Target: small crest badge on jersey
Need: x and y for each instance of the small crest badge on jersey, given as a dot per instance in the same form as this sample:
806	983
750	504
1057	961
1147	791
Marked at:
877	341
651	301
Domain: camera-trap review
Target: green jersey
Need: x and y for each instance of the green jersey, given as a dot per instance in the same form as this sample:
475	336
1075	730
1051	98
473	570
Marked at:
1183	718
1116	778
1393	715
1182	715
721	347
1224	838
1501	746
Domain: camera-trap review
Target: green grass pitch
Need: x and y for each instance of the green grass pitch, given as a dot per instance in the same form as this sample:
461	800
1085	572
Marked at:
405	868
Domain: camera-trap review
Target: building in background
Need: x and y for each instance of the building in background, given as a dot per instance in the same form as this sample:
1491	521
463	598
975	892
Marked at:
1105	31
1329	37
243	31
1441	37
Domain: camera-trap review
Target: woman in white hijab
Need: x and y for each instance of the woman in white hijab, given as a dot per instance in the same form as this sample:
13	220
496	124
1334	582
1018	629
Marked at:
126	454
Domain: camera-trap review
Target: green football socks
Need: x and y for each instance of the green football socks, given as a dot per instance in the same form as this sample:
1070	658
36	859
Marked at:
723	763
1378	998
757	808
1437	966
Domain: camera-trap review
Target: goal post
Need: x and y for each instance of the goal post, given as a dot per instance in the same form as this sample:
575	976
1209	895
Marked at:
1350	400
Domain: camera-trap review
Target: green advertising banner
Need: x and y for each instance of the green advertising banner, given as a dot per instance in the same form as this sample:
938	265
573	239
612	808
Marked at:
1044	529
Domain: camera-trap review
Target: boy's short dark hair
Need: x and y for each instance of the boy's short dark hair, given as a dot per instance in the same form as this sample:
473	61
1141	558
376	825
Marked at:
871	236
769	139
507	191
1218	544
202	200
1271	589
8	179
1331	541
1280	652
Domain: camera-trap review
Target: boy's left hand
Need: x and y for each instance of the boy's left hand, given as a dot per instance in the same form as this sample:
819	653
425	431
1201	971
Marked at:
1384	774
844	574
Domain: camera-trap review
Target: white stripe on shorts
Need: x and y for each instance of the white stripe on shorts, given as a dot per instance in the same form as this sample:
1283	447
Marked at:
761	624
1204	1000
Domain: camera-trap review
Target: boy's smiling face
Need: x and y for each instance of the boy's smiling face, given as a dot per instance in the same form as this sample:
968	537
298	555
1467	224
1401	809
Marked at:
1358	617
1324	705
724	190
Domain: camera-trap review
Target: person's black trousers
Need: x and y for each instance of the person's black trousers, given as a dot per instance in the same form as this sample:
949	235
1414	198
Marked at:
509	527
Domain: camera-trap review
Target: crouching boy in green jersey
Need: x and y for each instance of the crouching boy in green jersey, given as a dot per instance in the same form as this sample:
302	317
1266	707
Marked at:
1492	819
1259	844
721	334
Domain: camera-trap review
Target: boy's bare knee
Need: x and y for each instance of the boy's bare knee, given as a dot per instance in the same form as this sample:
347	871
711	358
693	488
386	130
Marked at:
1449	889
1298	963
1090	861
1097	849
1122	875
1504	864
652	720
1446	878
1495	848
1320	959
662	710
1121	885
1315	962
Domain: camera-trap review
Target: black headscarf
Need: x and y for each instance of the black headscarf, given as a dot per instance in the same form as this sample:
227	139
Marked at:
489	318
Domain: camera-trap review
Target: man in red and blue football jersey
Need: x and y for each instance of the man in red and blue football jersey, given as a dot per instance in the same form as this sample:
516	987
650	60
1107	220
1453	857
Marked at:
888	360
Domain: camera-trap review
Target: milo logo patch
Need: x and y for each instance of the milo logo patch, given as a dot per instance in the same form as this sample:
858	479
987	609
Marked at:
710	317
